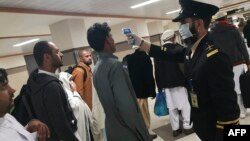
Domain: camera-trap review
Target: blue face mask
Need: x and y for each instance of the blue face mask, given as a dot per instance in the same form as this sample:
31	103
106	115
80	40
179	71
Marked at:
185	31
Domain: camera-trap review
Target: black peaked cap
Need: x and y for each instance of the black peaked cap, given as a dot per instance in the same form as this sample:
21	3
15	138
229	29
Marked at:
195	9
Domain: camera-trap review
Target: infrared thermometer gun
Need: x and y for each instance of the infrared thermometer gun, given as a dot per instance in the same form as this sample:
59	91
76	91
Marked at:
127	31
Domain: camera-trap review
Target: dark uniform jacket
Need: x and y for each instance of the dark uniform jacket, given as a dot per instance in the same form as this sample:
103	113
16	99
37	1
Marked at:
209	78
51	106
141	74
228	39
168	74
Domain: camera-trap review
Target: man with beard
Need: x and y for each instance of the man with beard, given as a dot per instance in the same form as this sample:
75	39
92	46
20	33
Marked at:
10	128
82	76
208	72
123	118
47	94
172	81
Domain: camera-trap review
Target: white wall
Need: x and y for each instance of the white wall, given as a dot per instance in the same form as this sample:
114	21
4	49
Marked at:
12	62
173	26
155	27
138	26
17	80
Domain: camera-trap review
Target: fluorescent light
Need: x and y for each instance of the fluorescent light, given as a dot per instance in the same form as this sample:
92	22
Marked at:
143	4
171	12
26	42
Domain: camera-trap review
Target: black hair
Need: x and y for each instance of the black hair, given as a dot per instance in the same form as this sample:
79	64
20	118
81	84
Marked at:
39	50
248	21
3	76
83	49
97	34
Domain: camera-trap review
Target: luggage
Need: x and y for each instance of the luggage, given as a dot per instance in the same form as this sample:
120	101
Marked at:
245	88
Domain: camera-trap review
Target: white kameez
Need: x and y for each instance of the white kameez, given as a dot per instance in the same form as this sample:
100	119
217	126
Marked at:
80	109
238	70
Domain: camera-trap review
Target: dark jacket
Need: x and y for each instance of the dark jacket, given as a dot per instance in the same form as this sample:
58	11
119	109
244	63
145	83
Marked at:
168	74
141	74
51	106
246	32
209	76
229	40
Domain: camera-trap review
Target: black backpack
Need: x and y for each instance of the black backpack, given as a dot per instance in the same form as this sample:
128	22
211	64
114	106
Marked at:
71	69
23	110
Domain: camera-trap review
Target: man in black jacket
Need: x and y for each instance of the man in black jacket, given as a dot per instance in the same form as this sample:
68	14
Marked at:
208	72
170	78
141	75
228	39
48	96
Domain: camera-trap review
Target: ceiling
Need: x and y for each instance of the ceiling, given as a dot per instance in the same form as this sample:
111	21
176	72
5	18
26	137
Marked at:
22	19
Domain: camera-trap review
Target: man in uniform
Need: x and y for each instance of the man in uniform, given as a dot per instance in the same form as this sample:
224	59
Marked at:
208	72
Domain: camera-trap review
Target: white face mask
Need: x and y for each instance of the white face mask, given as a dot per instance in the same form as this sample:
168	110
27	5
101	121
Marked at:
185	31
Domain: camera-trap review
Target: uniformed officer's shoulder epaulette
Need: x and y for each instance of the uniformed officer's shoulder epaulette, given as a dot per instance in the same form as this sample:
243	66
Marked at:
163	48
211	50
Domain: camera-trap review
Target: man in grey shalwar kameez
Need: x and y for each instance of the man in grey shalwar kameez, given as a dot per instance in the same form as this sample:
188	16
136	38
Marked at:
123	121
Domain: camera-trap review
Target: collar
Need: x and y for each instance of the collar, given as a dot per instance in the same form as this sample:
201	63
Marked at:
6	117
104	55
2	119
168	42
194	47
84	66
48	73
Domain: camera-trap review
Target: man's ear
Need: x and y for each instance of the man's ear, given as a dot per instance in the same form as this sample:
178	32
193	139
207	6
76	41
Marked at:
46	57
106	41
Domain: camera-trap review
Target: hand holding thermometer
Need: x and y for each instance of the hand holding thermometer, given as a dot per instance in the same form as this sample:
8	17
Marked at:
127	31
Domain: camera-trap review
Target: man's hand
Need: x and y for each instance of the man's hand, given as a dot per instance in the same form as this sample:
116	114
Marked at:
133	39
143	45
39	127
72	86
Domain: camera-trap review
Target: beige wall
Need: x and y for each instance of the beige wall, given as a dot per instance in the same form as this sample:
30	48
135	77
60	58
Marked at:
173	26
19	77
17	80
137	27
155	27
12	62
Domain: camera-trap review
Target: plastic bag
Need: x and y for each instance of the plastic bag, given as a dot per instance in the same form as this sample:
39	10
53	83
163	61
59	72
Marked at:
160	107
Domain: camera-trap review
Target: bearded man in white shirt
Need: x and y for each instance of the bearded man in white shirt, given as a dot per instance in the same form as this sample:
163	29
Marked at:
10	128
